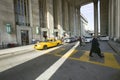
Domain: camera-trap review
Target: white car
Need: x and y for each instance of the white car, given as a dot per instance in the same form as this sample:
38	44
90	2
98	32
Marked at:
104	38
88	39
69	40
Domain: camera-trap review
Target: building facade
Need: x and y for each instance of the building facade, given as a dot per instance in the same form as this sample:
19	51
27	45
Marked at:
24	20
84	25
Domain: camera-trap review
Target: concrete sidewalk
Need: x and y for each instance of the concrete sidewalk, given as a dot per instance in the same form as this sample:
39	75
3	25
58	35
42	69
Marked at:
115	46
16	49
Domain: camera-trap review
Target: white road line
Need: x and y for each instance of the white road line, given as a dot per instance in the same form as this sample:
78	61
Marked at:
52	69
10	62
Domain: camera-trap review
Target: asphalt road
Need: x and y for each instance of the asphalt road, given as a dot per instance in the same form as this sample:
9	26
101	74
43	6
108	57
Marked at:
77	66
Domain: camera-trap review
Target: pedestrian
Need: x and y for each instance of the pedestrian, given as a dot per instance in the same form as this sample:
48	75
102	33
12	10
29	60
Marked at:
45	37
95	48
80	40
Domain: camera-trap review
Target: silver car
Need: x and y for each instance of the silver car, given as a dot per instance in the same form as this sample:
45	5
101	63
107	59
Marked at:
88	39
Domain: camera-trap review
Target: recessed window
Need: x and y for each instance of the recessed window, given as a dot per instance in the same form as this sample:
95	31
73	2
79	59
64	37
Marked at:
22	12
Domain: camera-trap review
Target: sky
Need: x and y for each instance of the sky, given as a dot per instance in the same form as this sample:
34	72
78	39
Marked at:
87	11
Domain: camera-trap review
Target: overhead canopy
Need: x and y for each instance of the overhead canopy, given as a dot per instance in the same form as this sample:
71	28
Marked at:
78	3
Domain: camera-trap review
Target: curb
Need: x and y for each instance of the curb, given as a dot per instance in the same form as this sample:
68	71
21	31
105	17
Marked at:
114	47
15	49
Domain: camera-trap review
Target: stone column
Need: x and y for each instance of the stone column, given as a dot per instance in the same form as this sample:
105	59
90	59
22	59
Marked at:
96	17
65	16
71	20
117	19
31	13
75	22
59	17
79	27
49	17
34	17
109	19
104	9
112	18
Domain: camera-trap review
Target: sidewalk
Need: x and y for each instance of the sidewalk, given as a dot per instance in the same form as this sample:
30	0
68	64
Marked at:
16	49
115	46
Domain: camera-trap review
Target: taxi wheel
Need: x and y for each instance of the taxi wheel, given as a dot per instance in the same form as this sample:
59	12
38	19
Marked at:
45	47
58	44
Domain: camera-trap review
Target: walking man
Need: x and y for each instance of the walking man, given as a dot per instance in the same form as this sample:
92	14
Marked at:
95	48
80	40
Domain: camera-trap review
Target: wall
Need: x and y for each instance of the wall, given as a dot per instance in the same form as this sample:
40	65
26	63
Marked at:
7	16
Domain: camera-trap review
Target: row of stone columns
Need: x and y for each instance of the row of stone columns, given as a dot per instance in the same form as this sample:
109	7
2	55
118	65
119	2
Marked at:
74	21
64	16
61	16
103	17
67	17
114	19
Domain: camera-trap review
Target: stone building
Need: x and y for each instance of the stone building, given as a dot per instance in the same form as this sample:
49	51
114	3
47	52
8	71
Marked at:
24	20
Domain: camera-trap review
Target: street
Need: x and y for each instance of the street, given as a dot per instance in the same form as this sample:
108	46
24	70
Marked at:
68	62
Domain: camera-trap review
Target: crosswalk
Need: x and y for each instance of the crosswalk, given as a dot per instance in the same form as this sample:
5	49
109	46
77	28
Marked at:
109	59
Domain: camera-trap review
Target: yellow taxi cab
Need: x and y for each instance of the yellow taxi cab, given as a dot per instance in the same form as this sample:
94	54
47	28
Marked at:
47	44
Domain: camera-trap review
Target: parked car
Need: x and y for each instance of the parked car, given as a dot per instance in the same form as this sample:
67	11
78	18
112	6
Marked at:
104	38
47	44
69	40
88	39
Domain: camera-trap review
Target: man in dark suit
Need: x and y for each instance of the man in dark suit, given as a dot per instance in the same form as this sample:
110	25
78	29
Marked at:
80	40
95	48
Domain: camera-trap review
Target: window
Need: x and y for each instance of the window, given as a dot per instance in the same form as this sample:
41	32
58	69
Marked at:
22	12
56	34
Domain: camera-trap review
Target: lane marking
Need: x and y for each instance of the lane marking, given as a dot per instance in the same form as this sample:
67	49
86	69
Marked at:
52	69
62	49
73	53
57	54
85	57
109	59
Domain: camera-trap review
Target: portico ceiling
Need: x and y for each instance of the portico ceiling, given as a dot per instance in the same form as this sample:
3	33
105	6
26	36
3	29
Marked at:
78	3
